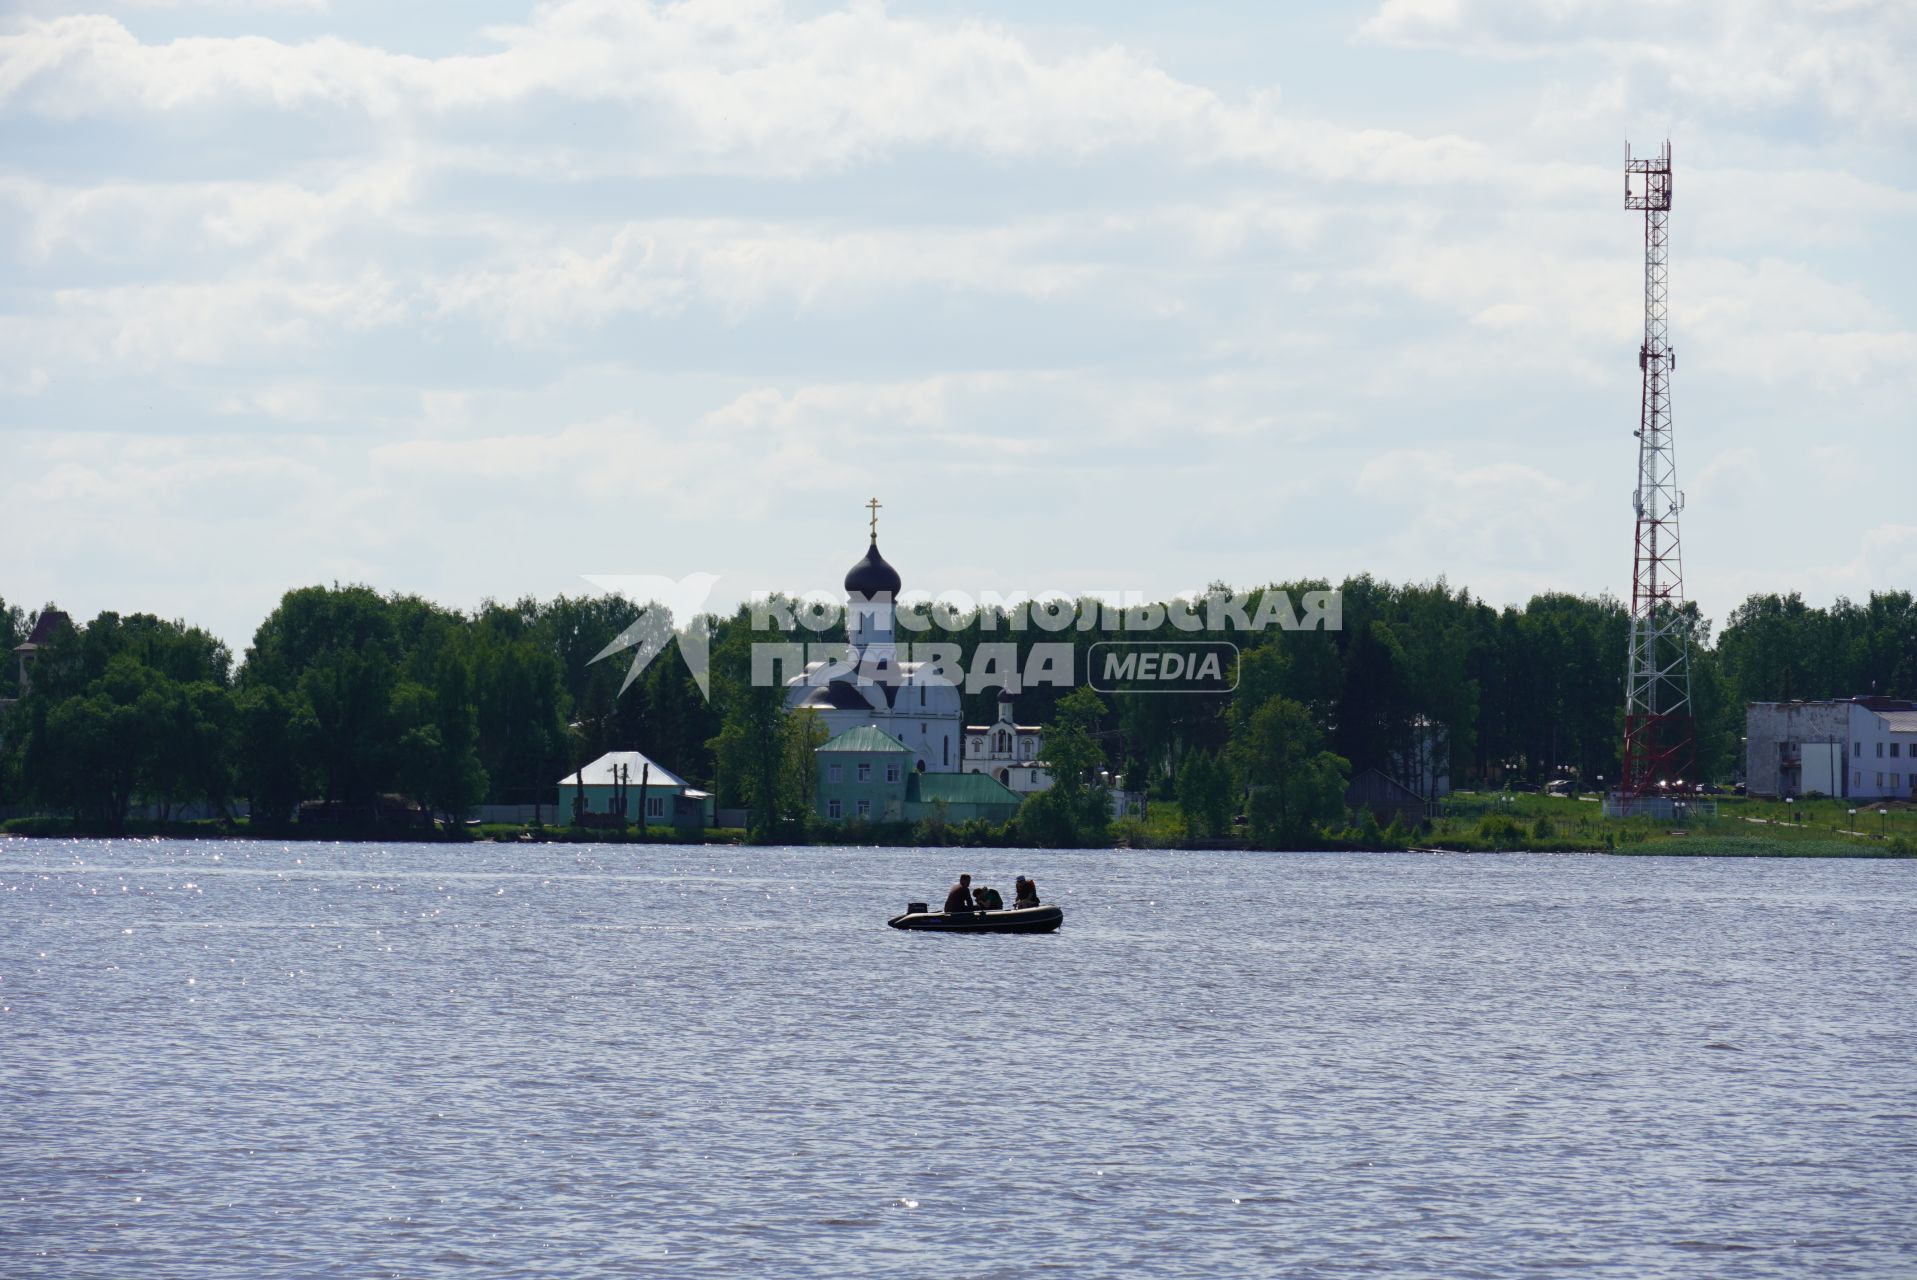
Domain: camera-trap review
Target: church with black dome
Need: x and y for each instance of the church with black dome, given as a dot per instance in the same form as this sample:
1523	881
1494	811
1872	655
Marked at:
872	687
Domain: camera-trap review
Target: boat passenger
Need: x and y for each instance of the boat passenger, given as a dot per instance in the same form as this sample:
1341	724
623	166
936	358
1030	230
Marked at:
987	898
959	896
1025	893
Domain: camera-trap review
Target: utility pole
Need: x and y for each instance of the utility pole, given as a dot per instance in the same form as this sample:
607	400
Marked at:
645	778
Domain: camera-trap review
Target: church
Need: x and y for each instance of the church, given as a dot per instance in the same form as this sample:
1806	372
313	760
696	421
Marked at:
1008	750
906	700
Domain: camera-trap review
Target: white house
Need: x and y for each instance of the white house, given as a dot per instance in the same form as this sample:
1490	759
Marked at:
633	782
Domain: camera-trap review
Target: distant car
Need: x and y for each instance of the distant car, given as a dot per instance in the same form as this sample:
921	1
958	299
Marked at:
1559	787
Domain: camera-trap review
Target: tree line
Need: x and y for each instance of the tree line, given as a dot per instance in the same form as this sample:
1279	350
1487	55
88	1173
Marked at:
349	702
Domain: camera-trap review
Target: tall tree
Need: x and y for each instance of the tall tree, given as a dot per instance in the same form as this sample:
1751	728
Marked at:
1292	786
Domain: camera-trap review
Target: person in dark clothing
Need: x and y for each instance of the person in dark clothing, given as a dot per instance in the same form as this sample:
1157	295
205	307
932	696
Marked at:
1025	892
986	898
959	896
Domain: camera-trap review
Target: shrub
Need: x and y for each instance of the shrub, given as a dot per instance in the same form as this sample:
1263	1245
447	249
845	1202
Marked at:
1500	826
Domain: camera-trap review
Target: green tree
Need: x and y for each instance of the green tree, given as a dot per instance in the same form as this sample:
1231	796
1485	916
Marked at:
91	752
805	734
13	631
1205	795
270	727
192	759
753	749
1075	811
1293	787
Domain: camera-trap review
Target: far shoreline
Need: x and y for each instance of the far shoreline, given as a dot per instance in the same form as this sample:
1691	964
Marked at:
1679	845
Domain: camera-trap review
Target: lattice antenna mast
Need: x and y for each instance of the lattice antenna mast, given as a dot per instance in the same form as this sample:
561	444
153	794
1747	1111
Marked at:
1659	739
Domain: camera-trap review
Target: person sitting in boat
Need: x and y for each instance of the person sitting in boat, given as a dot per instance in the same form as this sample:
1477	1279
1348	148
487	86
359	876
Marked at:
959	896
986	898
1025	893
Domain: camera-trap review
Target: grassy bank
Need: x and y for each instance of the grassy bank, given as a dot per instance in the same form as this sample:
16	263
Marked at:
1519	822
1469	822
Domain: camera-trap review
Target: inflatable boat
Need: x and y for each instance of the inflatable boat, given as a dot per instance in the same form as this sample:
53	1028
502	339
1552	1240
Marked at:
1043	918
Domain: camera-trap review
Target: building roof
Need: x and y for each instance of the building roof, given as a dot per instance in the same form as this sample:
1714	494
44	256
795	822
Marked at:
872	576
49	624
1871	703
1899	721
836	695
1373	786
959	788
638	765
1017	728
867	737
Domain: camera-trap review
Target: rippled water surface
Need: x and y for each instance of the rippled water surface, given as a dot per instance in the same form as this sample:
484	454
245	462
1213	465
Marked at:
226	1059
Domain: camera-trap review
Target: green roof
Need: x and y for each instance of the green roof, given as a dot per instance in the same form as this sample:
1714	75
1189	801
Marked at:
866	737
958	788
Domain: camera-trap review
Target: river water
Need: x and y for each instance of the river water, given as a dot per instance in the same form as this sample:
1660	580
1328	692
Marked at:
248	1060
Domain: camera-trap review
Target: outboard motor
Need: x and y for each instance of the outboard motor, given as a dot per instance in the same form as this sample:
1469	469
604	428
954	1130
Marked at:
916	908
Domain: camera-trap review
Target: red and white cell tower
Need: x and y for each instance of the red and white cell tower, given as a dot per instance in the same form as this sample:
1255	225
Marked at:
1659	741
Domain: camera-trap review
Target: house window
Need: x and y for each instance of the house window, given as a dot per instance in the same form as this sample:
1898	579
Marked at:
835	773
1893	749
865	808
945	750
1856	749
1880	781
891	773
865	773
978	746
834	809
1002	743
1880	751
1856	777
1025	746
655	806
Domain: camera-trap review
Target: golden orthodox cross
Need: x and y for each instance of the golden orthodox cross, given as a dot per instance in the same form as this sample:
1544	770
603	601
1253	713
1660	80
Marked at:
874	507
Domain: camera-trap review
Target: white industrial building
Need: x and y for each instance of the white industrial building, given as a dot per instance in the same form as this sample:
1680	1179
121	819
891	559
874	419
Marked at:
1857	748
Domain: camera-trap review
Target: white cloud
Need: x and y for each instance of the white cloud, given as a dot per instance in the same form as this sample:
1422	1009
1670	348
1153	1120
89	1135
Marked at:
1849	60
448	322
722	85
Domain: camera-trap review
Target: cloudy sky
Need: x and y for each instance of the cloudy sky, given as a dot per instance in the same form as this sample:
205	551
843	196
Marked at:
473	298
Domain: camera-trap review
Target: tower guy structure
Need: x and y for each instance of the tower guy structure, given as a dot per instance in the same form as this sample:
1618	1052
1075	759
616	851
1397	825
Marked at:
1659	738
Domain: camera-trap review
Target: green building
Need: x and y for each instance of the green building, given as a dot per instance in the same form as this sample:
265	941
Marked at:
963	795
867	773
862	774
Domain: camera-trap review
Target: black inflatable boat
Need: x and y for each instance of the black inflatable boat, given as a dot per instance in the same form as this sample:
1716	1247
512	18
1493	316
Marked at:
1043	918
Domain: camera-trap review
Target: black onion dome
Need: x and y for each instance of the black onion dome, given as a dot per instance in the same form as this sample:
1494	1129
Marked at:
839	695
872	576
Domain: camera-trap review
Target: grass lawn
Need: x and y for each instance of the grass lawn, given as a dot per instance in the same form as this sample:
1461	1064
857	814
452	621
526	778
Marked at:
1534	821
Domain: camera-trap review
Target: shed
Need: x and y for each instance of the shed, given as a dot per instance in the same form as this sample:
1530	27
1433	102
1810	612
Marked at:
1385	797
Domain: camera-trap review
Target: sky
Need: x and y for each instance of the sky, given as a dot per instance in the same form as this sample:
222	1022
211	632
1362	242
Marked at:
474	299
